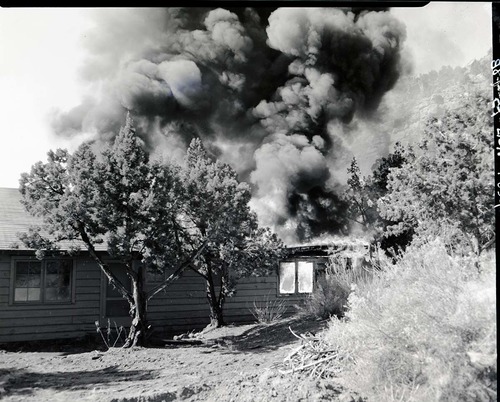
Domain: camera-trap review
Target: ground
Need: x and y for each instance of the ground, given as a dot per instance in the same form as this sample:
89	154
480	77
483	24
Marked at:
235	363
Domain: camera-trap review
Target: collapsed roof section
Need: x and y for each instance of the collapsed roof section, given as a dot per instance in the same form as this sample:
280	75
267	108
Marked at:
345	246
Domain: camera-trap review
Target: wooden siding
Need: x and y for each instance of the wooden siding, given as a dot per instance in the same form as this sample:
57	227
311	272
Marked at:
51	321
182	306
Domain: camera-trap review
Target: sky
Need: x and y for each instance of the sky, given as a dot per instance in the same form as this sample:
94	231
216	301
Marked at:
42	52
52	60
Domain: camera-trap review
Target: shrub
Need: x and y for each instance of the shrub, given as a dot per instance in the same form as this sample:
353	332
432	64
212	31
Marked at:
423	330
328	298
332	290
112	336
268	310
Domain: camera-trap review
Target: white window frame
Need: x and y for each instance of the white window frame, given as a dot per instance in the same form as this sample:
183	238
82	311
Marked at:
43	273
296	277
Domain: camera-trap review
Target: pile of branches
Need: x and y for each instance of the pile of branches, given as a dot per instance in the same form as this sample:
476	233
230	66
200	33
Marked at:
314	357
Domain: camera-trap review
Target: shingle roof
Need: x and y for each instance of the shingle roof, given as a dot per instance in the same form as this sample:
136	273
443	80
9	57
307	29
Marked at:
13	219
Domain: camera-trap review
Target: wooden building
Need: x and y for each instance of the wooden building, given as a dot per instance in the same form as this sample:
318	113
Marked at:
63	297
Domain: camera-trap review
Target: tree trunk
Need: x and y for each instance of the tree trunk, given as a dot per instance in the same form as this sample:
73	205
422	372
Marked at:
139	327
137	301
216	315
216	304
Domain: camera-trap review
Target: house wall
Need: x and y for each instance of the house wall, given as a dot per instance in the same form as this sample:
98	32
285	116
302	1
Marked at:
182	306
51	321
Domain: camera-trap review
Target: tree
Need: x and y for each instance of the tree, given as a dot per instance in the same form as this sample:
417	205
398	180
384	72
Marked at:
216	213
391	243
360	198
362	195
117	198
448	181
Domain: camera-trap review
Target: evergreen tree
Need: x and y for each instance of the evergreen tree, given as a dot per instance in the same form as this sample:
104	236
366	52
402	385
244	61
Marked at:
216	213
448	181
117	198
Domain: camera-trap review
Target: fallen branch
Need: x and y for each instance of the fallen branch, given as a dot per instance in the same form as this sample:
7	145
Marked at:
309	365
180	342
294	352
313	356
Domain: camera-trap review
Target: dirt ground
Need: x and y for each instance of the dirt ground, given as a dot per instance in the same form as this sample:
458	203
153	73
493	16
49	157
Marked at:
235	363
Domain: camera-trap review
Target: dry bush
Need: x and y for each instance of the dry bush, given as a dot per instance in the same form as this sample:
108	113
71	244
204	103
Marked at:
328	298
112	336
268	310
424	330
331	292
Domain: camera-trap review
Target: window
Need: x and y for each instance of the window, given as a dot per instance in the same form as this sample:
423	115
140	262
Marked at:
42	281
28	281
287	277
296	277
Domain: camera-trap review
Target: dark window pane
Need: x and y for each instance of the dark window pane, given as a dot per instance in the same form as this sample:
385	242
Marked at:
57	294
22	280
51	280
35	271
58	280
22	268
27	281
28	273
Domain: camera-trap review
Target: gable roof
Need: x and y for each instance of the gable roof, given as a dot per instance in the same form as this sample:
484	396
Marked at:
13	219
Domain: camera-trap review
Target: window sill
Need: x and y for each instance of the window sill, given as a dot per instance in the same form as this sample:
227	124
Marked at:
42	303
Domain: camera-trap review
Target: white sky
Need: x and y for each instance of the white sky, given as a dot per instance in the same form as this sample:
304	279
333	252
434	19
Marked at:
40	54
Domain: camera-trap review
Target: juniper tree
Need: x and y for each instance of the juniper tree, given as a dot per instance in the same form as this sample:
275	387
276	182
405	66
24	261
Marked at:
217	213
448	180
362	194
117	199
360	198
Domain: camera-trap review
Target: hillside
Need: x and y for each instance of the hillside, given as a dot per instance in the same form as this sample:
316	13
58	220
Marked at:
404	110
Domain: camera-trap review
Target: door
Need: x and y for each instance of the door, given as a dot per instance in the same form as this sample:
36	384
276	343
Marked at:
116	308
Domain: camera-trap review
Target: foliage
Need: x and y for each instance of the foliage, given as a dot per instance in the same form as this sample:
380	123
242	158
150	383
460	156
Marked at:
343	274
359	195
328	298
423	329
362	195
447	181
268	310
149	216
116	199
216	213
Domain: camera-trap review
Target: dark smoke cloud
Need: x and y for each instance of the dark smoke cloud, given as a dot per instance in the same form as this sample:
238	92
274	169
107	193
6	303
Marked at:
272	92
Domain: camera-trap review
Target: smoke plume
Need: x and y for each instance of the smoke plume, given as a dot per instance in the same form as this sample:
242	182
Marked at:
274	93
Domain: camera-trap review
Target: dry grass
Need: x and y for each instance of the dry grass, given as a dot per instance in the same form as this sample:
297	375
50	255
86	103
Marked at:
268	310
331	292
423	330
